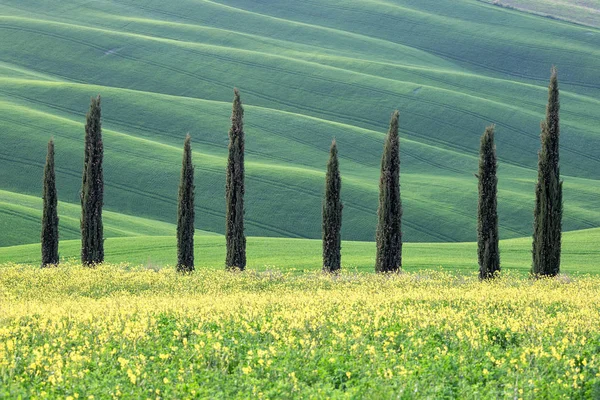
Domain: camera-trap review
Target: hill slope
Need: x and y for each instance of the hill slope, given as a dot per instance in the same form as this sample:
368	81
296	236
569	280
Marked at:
308	72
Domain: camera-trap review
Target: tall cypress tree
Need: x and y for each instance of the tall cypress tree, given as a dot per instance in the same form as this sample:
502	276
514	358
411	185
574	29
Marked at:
332	214
50	212
234	190
185	211
92	191
389	213
547	225
488	252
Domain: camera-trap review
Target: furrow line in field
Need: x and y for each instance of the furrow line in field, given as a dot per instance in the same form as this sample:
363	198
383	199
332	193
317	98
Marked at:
162	198
313	109
121	123
31	218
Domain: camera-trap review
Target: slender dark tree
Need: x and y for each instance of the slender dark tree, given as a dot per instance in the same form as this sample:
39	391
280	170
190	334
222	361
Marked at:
488	252
547	225
234	190
332	214
92	191
185	211
389	213
50	212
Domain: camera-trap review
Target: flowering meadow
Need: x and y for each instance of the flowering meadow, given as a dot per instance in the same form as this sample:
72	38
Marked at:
122	332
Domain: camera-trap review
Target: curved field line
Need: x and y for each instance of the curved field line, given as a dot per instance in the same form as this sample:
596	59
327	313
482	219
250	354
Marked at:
430	51
297	23
403	20
320	111
161	133
26	217
172	201
461	150
152	195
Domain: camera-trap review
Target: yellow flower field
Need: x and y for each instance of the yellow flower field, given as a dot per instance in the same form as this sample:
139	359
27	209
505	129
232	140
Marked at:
121	332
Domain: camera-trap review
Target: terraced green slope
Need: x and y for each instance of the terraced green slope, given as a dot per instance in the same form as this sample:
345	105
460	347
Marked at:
308	72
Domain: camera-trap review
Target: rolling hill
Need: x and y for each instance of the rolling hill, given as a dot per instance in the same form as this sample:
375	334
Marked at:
308	72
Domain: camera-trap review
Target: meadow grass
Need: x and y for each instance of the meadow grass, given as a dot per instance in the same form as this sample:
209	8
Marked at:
580	254
116	332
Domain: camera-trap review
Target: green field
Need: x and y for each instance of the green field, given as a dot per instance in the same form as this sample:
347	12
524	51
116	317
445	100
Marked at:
308	72
580	254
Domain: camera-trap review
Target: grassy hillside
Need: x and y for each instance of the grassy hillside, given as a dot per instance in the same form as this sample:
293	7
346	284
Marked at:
308	72
585	12
580	253
20	215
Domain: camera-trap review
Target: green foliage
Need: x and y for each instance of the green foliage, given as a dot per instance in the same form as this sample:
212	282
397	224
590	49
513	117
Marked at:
92	188
50	212
235	189
332	214
185	211
488	253
547	225
389	213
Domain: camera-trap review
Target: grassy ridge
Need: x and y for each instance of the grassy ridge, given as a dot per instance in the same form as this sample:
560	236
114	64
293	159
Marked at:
308	72
580	253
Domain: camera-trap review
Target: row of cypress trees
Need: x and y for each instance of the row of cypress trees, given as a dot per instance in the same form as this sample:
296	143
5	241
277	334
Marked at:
547	212
547	221
91	195
234	196
92	198
389	211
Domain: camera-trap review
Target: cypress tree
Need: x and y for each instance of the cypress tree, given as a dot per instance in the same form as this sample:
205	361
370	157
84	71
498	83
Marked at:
92	191
185	211
50	212
234	190
389	213
548	210
332	214
488	252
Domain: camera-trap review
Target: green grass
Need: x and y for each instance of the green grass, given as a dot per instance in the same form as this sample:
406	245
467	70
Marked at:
308	72
580	254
